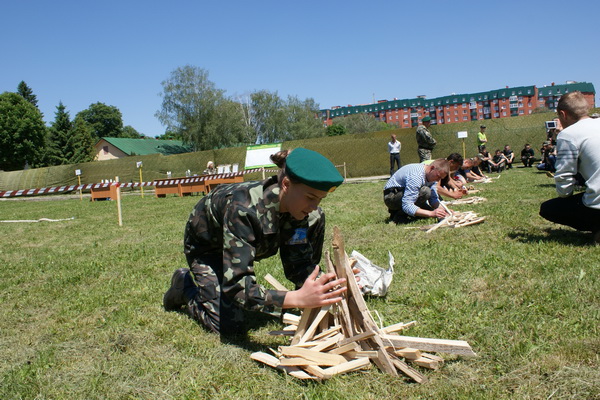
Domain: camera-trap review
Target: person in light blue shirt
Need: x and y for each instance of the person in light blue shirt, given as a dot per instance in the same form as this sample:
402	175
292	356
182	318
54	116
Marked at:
411	191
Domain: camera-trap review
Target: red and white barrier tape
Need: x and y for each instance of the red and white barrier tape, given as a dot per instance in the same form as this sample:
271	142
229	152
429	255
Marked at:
161	182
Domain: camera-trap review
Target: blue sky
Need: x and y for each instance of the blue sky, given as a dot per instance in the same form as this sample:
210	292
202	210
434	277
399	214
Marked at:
336	52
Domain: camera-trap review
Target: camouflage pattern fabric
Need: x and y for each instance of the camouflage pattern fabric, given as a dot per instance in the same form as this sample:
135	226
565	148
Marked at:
424	155
424	138
229	229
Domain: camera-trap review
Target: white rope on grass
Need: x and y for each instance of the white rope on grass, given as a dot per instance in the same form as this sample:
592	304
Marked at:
40	220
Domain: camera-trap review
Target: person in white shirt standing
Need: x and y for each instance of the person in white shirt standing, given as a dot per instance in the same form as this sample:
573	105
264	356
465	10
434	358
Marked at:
394	147
578	162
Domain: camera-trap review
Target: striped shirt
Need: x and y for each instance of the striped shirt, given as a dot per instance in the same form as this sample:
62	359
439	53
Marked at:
411	178
578	150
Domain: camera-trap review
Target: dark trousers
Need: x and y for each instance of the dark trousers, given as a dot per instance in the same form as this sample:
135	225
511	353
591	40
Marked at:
572	212
527	161
393	200
394	158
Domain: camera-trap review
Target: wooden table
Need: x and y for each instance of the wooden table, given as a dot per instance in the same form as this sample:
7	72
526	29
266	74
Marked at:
186	186
108	192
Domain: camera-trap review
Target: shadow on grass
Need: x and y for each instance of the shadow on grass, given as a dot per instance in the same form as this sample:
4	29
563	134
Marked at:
574	238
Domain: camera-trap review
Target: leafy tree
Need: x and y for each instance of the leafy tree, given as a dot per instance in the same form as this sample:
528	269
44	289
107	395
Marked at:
59	150
362	123
105	121
267	116
190	107
82	141
168	135
27	93
335	130
22	133
130	132
301	119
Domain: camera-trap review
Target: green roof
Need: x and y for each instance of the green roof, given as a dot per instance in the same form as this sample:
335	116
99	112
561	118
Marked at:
554	90
461	98
142	147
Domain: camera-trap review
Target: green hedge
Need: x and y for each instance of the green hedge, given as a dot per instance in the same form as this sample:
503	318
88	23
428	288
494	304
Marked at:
364	154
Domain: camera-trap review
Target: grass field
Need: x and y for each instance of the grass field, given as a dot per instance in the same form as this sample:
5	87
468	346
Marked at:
82	316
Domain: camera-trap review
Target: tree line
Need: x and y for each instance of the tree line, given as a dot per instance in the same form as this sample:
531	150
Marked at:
193	110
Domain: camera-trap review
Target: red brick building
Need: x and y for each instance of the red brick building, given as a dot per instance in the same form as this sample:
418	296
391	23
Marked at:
499	103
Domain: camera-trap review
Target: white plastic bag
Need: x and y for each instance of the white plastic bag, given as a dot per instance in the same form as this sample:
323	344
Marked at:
374	280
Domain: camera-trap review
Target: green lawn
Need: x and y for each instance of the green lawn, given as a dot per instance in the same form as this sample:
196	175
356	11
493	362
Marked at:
82	316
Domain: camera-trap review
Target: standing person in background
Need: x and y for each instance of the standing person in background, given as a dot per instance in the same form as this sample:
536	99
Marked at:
481	138
425	142
240	223
578	156
394	147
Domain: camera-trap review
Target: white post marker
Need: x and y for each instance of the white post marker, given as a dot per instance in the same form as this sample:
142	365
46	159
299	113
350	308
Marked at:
139	165
119	202
462	135
78	173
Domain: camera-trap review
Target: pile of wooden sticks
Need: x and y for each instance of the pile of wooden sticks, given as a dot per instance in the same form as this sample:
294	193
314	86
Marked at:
467	200
456	220
337	339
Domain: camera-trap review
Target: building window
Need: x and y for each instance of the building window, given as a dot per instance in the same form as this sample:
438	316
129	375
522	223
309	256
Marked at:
456	119
105	149
496	115
465	118
464	111
521	112
504	113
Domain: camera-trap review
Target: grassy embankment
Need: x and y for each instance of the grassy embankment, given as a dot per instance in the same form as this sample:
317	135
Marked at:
81	311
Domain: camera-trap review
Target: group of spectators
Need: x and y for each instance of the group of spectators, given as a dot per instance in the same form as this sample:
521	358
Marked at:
569	154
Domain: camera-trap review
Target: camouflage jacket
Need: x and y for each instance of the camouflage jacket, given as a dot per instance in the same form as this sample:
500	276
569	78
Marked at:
424	138
240	223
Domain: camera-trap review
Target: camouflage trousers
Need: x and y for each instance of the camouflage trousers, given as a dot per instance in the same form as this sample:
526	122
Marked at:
207	306
424	154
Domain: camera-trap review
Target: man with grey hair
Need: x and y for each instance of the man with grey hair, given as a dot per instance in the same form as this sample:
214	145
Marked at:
578	161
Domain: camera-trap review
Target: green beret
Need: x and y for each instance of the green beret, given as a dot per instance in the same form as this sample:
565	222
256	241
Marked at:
312	169
426	119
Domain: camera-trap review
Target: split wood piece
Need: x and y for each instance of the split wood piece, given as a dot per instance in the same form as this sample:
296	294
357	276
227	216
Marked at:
291	319
469	200
328	332
472	222
345	348
398	327
361	354
284	332
426	362
408	371
310	331
325	344
326	359
438	225
459	347
408	353
348	366
344	313
307	316
274	362
357	338
296	362
275	283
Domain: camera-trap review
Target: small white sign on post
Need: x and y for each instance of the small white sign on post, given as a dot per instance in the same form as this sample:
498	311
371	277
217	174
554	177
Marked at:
77	172
138	164
462	134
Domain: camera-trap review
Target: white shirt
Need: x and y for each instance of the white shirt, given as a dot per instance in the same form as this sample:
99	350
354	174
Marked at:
578	150
394	147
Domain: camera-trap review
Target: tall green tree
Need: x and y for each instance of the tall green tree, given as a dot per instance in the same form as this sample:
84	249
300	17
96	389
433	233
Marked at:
59	149
130	132
301	119
22	133
105	120
27	93
82	141
190	108
267	116
362	123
